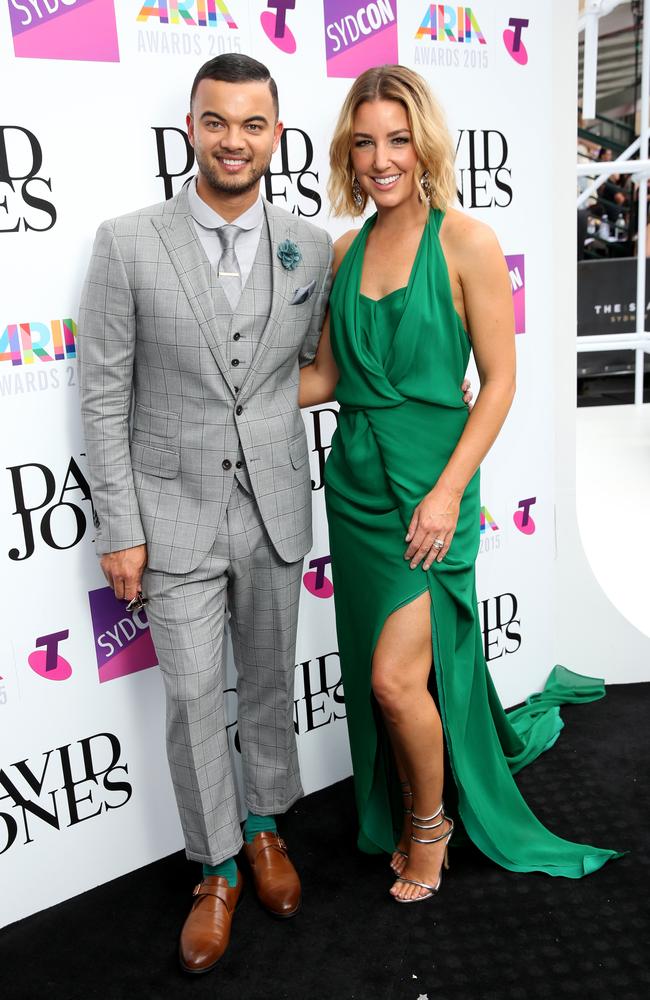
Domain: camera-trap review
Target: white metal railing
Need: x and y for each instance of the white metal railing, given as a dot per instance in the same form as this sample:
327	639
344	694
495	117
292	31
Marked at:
639	341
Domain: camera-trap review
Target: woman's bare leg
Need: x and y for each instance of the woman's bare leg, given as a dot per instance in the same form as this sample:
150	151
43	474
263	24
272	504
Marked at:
404	843
400	673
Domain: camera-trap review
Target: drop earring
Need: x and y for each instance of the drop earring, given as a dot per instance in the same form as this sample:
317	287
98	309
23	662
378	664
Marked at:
425	184
357	193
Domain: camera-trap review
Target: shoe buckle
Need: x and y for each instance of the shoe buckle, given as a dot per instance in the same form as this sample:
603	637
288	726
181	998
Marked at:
197	889
282	844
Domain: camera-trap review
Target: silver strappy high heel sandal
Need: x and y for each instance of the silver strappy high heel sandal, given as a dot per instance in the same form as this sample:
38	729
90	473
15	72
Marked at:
427	823
406	791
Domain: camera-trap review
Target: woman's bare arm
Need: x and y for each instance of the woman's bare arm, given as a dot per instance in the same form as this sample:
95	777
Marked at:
318	380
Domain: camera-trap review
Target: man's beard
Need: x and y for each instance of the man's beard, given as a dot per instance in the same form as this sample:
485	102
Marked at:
227	186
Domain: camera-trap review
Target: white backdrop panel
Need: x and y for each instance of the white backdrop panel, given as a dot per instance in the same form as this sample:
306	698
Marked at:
110	137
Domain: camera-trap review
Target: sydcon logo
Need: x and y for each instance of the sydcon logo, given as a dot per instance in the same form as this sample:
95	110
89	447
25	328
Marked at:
65	29
359	35
517	271
123	643
22	200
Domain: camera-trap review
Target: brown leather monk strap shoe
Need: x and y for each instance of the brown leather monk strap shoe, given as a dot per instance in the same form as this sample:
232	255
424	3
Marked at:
206	932
276	880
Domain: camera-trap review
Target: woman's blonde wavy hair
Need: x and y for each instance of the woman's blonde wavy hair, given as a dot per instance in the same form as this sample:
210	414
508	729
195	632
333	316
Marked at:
431	138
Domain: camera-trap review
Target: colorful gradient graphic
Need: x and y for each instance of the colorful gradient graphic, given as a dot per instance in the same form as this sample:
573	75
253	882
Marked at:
359	35
443	22
316	582
512	39
123	643
487	520
47	662
522	517
25	343
517	271
76	29
189	13
276	27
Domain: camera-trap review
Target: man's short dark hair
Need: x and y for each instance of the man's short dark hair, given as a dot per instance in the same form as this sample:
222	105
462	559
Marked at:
233	67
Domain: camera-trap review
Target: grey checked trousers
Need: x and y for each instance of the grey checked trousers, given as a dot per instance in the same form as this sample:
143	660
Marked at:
242	575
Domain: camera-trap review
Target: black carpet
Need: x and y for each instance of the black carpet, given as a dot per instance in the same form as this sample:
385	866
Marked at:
488	935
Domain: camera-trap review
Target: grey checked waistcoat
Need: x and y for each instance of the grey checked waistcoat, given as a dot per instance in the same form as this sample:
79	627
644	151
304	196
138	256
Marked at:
246	327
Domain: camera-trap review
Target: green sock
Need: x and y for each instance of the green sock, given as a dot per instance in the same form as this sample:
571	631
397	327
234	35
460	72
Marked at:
258	824
227	869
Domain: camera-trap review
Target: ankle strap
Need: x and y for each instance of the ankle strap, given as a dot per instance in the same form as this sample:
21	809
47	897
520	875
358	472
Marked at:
441	836
420	820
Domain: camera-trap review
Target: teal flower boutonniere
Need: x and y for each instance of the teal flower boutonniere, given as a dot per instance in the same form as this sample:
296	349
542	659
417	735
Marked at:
289	255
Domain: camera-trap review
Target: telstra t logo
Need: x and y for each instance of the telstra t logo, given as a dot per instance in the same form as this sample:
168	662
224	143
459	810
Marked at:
275	25
512	39
522	516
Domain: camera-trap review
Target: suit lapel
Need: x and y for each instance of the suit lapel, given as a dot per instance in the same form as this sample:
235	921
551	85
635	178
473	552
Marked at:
279	224
194	273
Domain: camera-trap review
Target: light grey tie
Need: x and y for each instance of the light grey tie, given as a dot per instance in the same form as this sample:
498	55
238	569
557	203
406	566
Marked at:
228	267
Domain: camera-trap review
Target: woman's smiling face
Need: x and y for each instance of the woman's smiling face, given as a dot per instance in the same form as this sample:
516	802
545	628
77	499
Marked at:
383	155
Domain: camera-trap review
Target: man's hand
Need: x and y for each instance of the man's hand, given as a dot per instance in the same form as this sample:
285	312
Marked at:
468	395
123	570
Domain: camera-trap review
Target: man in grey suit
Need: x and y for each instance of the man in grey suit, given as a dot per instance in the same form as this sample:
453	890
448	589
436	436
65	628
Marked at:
196	315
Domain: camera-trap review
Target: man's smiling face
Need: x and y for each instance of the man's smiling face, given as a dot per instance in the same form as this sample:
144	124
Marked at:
234	132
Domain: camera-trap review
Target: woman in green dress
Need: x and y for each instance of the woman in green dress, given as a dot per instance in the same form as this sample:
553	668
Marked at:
417	288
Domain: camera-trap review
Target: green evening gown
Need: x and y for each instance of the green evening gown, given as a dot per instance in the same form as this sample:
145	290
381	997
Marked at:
401	361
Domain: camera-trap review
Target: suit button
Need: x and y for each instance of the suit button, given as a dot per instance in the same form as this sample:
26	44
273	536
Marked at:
226	464
239	411
236	336
238	465
235	362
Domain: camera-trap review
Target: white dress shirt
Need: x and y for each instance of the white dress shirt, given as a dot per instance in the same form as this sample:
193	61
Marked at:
206	220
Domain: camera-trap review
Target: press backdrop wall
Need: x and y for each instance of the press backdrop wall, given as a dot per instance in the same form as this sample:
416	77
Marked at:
93	101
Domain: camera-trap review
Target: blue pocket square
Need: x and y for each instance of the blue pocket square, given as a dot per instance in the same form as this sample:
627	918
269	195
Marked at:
302	294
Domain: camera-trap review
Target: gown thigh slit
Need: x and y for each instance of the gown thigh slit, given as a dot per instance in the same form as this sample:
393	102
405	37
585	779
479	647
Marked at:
401	361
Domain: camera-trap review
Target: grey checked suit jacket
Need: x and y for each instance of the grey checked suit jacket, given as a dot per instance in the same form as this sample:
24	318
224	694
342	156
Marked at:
158	400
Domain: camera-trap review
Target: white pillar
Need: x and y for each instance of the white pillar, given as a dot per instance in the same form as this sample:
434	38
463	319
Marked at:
643	207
